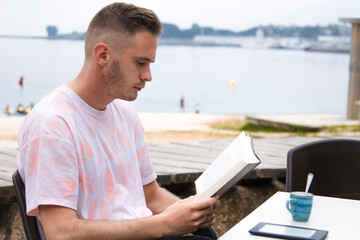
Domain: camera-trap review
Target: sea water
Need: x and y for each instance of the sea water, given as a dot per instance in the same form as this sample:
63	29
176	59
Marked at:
212	80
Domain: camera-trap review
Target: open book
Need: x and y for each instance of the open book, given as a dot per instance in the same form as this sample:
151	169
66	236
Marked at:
228	168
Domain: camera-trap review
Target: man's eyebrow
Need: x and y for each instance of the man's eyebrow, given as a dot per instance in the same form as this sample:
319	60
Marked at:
145	59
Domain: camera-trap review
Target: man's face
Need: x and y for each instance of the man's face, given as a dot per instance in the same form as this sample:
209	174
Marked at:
129	72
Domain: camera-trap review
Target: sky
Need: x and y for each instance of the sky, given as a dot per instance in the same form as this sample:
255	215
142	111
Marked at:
31	17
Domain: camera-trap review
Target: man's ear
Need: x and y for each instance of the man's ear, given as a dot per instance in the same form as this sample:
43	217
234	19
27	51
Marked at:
101	52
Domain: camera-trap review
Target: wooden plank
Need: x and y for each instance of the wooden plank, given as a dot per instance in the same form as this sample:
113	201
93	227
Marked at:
203	145
5	183
206	146
279	145
8	151
182	150
276	159
290	142
173	170
220	145
186	154
7	161
264	146
271	151
191	167
184	158
6	172
205	158
270	160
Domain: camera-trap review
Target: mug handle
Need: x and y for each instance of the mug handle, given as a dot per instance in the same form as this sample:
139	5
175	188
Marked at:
288	203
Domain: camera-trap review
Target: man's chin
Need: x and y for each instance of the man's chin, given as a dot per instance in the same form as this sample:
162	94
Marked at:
129	98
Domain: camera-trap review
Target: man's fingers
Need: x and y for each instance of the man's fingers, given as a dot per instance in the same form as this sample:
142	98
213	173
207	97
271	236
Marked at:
207	202
217	204
207	221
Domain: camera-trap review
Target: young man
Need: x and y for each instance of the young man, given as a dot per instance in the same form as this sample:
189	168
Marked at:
83	155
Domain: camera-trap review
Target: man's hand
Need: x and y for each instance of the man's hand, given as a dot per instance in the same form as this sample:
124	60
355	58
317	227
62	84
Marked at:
187	215
210	217
180	216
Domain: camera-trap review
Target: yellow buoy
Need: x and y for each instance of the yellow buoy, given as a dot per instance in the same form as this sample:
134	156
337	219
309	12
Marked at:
232	84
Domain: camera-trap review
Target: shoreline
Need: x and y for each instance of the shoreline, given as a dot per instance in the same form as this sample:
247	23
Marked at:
158	127
182	127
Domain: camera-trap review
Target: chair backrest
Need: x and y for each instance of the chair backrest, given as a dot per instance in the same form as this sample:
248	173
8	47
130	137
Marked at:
30	226
335	164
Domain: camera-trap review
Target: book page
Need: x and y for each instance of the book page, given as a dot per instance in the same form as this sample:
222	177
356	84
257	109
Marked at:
235	152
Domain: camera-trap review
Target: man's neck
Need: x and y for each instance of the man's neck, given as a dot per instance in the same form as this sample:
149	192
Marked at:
88	86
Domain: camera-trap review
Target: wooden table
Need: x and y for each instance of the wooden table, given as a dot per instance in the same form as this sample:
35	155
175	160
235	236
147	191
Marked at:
183	162
338	216
7	168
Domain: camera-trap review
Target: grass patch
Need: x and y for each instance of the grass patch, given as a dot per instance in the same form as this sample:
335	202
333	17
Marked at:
341	128
267	129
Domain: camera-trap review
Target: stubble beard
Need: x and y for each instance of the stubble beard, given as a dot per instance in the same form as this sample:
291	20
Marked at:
114	81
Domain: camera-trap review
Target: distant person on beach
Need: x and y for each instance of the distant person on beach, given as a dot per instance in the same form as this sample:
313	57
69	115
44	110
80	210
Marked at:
197	108
182	104
20	109
82	150
21	81
29	108
7	110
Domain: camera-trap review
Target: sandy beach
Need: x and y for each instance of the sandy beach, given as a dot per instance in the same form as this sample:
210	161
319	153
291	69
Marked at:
159	127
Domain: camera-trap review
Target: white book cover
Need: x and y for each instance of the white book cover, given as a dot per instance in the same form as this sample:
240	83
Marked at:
228	168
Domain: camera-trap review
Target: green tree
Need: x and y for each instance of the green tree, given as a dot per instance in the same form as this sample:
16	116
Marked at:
52	31
191	32
171	31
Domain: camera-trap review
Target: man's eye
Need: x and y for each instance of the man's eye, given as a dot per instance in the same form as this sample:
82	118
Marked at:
141	63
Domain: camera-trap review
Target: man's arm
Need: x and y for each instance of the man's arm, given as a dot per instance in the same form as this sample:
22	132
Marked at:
159	199
63	223
182	217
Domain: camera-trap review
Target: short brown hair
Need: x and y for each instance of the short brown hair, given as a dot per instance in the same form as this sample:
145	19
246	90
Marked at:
122	19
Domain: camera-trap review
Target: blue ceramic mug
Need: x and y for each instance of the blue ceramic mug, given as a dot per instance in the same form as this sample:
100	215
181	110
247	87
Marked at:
299	205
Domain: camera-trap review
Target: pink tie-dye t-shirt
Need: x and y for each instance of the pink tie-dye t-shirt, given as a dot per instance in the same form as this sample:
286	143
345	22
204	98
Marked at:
95	162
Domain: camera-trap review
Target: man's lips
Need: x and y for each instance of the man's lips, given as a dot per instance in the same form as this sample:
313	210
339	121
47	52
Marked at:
138	88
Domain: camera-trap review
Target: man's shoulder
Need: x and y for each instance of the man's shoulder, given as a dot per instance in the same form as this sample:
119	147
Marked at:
123	105
125	110
52	102
52	106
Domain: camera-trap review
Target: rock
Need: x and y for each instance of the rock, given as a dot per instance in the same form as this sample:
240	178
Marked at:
11	227
239	201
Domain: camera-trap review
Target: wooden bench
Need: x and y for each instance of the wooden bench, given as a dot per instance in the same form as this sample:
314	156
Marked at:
182	162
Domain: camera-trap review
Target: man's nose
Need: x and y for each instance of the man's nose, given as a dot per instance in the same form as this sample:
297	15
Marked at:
146	75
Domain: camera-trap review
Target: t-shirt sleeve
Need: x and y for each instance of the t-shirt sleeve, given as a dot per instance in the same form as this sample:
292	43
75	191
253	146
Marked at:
51	169
146	167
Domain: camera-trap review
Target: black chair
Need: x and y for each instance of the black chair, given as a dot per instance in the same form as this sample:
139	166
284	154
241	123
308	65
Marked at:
30	225
335	164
